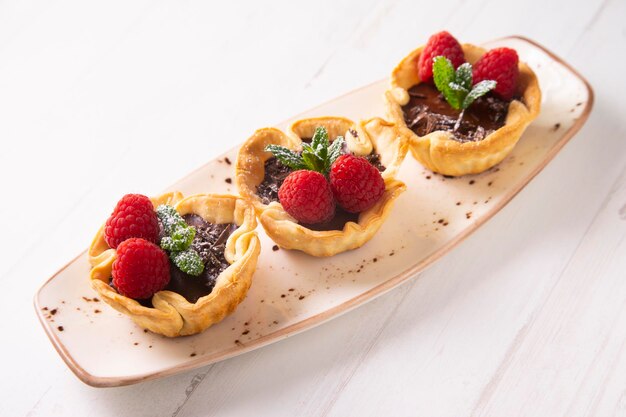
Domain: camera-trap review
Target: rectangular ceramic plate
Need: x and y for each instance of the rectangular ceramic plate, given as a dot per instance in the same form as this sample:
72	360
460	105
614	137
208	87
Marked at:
291	291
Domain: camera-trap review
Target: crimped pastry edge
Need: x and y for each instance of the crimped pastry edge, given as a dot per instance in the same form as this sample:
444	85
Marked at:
440	153
279	225
172	314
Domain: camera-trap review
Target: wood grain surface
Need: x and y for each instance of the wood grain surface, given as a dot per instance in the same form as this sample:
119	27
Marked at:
525	318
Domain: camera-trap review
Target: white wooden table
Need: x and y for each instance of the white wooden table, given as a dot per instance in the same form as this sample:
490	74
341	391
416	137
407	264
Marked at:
526	317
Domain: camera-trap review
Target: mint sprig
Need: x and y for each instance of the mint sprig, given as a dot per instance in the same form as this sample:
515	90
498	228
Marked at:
177	240
318	156
188	261
456	86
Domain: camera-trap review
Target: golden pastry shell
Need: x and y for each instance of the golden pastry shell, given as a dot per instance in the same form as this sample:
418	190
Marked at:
172	314
440	153
361	139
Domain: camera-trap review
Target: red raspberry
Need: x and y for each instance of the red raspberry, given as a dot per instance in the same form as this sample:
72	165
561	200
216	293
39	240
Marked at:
357	185
133	216
441	43
141	268
306	195
500	65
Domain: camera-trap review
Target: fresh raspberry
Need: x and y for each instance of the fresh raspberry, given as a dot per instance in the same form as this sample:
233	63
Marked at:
140	269
133	216
441	43
306	195
357	185
500	65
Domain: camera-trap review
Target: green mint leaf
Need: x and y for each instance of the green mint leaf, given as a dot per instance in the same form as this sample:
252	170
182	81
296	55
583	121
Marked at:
169	217
479	90
178	234
319	141
318	155
464	76
334	151
168	244
307	148
456	94
312	161
180	238
286	156
443	74
188	261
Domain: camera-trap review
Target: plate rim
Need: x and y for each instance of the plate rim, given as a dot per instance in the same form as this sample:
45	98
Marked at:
320	318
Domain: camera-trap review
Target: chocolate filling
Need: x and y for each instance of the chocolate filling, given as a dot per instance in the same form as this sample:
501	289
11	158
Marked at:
374	159
275	174
209	242
428	111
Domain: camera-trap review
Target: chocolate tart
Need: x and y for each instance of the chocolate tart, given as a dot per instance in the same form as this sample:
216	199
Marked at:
170	313
440	150
374	139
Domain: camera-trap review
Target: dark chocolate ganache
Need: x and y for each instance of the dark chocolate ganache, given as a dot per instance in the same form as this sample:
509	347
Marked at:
275	174
209	242
428	111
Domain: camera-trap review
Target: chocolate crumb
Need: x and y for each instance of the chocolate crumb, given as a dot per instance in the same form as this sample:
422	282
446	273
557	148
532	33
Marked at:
392	253
97	311
375	260
557	126
136	343
428	177
292	289
275	322
145	330
150	347
45	309
227	160
468	215
301	297
237	342
282	296
60	328
53	311
245	332
472	182
191	355
458	203
579	104
262	301
95	300
446	223
275	248
229	180
440	221
489	183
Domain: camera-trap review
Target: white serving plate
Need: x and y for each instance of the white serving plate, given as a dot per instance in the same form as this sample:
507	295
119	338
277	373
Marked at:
291	291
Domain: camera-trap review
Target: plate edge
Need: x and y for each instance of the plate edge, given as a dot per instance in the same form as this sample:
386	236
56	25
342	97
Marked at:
99	382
